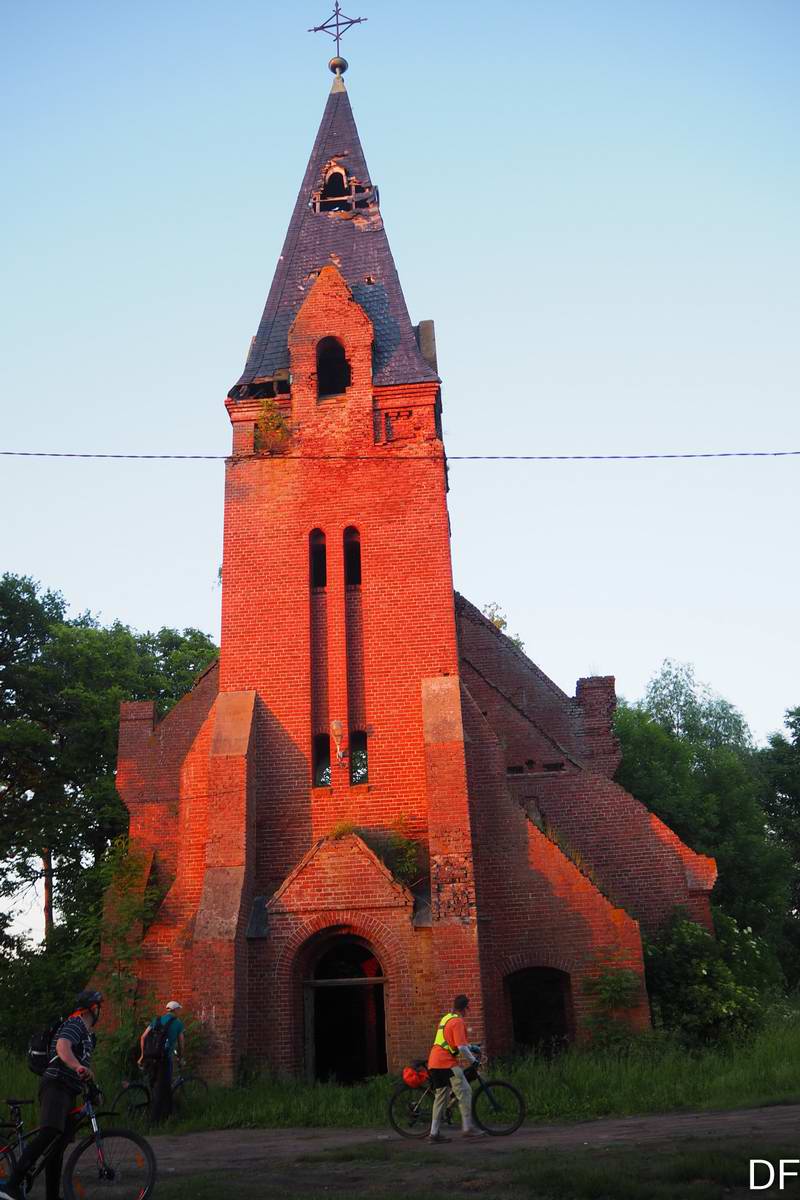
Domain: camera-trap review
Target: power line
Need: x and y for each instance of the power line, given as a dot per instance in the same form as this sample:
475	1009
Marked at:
405	458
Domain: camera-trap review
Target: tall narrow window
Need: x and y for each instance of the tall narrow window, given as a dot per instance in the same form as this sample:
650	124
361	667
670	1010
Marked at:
318	559
321	760
352	556
333	369
359	767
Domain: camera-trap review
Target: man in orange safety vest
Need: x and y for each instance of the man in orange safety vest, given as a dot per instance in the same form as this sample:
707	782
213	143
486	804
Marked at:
445	1072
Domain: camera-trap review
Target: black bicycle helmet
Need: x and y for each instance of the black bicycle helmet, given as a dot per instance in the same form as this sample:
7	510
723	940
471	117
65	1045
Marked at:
88	999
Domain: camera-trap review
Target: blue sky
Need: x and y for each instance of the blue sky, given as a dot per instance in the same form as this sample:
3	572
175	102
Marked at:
596	202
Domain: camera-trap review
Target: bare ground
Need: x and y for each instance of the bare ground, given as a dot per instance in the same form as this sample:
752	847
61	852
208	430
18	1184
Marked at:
245	1149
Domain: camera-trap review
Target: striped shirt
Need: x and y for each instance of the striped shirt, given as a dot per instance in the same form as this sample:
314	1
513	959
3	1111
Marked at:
82	1042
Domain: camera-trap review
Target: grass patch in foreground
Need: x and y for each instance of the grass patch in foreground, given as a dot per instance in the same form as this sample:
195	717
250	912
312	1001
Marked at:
705	1170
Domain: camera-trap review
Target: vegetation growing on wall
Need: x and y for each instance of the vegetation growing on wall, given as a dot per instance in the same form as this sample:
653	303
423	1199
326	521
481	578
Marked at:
399	853
272	433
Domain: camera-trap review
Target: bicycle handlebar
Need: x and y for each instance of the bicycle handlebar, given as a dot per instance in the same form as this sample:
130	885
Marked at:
92	1092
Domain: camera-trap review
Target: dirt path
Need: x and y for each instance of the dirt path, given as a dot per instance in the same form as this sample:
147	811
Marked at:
244	1148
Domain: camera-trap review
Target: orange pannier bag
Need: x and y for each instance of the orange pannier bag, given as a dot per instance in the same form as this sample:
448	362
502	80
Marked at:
415	1077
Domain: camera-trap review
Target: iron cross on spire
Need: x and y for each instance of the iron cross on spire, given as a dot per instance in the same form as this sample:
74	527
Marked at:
337	25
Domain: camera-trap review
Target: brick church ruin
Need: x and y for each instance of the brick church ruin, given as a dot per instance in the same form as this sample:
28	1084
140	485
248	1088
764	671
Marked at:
361	713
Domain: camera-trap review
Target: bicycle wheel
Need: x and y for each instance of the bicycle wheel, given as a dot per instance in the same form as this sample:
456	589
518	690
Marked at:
189	1092
132	1100
498	1107
410	1111
116	1160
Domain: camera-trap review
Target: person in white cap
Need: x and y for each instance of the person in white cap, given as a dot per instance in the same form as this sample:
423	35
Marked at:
157	1047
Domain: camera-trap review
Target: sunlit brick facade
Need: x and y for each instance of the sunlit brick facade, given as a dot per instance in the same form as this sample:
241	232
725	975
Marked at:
356	697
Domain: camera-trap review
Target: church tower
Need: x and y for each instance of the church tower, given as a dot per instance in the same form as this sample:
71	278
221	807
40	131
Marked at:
374	800
338	607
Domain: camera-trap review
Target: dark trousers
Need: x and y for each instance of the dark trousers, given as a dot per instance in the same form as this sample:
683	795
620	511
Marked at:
55	1101
161	1090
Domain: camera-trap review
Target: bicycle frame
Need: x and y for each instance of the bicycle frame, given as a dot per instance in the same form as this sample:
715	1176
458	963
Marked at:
16	1124
471	1074
143	1081
83	1112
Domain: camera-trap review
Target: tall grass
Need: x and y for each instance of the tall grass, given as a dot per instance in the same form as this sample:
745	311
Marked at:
15	1081
656	1074
653	1074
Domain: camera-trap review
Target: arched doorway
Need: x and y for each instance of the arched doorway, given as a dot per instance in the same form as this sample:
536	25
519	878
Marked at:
541	1008
345	1023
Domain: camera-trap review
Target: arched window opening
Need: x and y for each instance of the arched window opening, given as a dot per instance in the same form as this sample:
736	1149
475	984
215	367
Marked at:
352	557
336	193
359	764
318	559
321	763
333	369
345	1019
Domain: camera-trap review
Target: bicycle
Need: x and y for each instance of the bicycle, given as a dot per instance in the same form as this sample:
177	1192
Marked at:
108	1158
497	1107
134	1097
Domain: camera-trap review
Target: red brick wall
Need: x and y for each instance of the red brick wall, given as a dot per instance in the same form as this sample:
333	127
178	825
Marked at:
354	630
641	862
498	673
320	718
149	761
535	908
219	958
162	778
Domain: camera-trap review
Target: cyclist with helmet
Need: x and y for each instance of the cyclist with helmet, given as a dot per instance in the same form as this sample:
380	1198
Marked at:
62	1082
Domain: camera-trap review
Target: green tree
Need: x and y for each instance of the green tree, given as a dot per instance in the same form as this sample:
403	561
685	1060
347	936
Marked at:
704	988
27	616
779	762
691	710
60	689
688	756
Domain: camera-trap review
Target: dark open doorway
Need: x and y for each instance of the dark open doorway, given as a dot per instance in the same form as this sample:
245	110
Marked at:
344	1013
541	1008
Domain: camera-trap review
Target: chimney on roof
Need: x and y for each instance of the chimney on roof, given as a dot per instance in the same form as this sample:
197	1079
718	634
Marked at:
426	340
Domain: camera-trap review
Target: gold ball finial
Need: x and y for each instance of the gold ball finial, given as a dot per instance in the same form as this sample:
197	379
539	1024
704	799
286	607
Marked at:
338	65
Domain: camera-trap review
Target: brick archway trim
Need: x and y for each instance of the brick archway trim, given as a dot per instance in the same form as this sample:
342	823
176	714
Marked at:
387	945
389	950
528	961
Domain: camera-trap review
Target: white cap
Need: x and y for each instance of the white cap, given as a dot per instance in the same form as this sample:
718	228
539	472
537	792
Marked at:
174	1005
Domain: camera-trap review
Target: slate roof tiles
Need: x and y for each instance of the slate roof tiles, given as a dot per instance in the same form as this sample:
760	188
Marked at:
355	241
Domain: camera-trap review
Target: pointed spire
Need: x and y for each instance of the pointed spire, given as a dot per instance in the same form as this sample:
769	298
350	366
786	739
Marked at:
337	220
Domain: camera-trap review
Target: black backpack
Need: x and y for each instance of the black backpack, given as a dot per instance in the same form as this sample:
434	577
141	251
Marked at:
156	1041
39	1056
